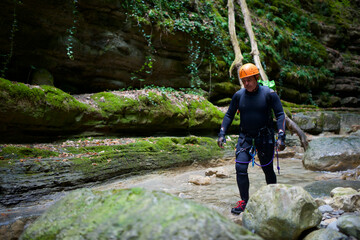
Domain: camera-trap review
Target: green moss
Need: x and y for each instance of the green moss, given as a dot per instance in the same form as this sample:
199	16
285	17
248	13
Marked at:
37	102
201	20
146	108
145	154
12	92
293	105
61	100
129	212
113	104
204	114
22	152
223	102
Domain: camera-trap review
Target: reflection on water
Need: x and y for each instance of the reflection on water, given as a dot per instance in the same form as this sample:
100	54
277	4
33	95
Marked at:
222	193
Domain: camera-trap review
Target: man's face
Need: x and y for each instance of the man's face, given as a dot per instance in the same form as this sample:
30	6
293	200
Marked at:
250	83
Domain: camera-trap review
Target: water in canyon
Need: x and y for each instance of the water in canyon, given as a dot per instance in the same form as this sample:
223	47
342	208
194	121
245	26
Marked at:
221	194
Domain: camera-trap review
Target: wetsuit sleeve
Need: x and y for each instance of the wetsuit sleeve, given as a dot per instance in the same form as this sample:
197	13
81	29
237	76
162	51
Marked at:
229	115
278	111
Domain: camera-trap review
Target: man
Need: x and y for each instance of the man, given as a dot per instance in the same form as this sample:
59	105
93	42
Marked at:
255	104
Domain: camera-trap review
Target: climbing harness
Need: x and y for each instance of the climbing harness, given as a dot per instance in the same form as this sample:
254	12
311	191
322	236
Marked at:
253	152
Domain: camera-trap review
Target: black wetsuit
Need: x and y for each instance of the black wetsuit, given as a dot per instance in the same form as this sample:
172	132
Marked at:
255	129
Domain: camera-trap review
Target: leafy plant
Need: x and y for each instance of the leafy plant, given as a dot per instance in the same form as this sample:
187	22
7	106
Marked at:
71	32
194	52
206	23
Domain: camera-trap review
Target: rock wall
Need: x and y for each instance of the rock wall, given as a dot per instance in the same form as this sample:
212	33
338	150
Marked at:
107	44
93	46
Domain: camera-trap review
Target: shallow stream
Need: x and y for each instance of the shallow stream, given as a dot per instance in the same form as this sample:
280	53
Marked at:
221	195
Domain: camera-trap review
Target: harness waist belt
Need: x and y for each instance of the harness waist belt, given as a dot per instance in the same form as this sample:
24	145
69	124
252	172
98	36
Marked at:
261	132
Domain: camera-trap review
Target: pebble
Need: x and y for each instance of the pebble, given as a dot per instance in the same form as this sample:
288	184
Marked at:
333	226
329	218
325	208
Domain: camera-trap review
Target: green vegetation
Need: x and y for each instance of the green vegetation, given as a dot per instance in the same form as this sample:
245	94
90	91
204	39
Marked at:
71	31
134	156
287	37
128	212
59	99
19	94
13	152
148	154
151	108
204	21
40	108
159	108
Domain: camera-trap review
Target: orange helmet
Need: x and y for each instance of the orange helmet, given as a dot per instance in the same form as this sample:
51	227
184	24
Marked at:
248	70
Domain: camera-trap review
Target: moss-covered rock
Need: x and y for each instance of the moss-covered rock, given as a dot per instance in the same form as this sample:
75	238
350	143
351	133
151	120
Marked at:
11	152
323	156
281	211
32	112
42	77
78	166
152	109
317	122
223	90
223	102
131	213
42	110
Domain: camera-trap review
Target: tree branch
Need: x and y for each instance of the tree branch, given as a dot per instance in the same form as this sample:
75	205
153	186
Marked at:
292	126
254	48
237	63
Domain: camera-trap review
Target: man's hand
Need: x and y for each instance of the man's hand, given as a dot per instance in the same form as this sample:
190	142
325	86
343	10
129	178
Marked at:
221	141
280	144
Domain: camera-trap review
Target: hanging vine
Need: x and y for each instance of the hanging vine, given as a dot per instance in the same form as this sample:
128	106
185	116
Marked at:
71	32
13	30
193	67
205	23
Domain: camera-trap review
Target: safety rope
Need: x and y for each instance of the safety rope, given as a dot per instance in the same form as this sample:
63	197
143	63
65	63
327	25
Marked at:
277	155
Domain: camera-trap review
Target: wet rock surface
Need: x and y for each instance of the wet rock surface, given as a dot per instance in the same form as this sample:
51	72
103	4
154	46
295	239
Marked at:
97	164
323	188
333	153
279	211
133	213
350	224
291	172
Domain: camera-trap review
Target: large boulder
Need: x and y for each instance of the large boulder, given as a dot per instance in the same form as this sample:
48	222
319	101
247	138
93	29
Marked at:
279	211
333	153
348	121
131	214
224	90
325	234
27	179
317	122
320	189
32	112
350	225
346	199
42	77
